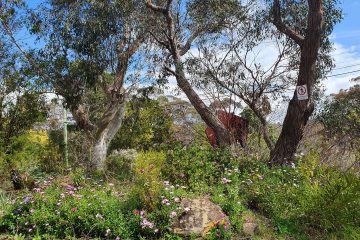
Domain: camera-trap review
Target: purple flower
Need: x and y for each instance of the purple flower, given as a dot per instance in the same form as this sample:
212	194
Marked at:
173	214
187	209
73	209
225	180
165	201
26	199
145	223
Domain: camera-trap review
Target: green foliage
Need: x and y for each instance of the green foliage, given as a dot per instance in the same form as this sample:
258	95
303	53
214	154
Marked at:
302	201
147	178
78	177
21	104
306	196
341	116
83	41
59	212
119	167
198	167
30	153
146	124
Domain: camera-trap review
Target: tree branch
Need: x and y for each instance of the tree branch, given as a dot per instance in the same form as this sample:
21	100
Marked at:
155	7
184	49
163	43
167	68
279	24
23	51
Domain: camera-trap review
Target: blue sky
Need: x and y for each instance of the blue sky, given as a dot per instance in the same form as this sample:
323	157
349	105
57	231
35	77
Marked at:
346	39
348	31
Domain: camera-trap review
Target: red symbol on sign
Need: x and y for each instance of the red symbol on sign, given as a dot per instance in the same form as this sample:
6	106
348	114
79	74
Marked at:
302	91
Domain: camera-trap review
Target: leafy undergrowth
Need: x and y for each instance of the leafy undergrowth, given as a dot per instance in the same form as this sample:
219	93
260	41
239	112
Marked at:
302	201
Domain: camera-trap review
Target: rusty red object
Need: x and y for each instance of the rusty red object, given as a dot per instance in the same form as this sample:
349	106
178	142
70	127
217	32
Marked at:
236	125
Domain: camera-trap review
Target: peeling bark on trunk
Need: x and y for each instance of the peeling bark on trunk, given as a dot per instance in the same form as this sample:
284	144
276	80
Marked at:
109	126
299	111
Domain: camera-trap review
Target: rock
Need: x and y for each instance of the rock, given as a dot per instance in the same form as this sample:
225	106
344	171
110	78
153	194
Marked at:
198	217
250	228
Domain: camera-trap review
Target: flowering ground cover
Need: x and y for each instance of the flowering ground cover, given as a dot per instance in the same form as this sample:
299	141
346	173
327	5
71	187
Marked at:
302	200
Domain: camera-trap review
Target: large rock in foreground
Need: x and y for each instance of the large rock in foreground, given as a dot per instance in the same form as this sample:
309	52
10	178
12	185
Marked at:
198	216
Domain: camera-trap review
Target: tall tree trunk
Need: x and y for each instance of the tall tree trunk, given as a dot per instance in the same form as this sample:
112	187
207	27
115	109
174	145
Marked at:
177	51
223	135
299	111
109	126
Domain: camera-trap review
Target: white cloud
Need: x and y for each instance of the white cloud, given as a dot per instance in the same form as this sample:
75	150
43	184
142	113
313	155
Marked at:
346	60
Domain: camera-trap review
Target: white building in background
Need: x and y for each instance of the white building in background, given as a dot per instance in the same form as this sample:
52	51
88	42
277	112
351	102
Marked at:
55	116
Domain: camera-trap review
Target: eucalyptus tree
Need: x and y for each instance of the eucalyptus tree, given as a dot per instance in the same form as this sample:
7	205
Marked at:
238	65
308	24
21	100
92	58
178	25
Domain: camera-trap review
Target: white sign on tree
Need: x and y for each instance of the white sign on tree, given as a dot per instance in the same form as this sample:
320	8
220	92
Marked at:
302	92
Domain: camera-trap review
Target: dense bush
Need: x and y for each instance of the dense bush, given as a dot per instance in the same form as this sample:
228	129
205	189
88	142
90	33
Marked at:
146	124
147	178
299	199
196	166
341	114
30	153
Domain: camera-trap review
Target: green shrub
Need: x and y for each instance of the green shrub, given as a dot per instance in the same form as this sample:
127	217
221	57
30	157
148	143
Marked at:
30	153
146	125
302	197
195	166
147	179
119	165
